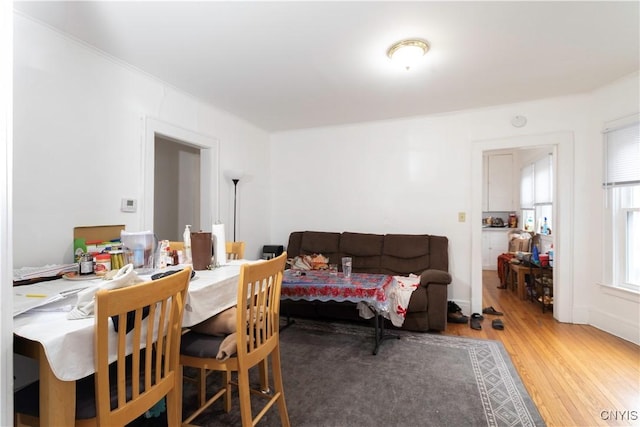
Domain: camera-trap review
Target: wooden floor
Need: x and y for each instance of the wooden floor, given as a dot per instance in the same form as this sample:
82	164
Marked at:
576	374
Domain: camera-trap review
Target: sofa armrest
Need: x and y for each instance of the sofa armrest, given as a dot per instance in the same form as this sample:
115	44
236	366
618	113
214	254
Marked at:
436	282
434	276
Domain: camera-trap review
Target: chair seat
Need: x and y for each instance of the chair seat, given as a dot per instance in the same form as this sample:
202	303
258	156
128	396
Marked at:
200	345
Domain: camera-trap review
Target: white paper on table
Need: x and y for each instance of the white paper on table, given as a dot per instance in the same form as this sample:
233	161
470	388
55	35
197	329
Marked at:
28	297
219	244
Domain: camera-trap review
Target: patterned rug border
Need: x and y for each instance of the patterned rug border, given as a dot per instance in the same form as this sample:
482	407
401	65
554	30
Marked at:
499	384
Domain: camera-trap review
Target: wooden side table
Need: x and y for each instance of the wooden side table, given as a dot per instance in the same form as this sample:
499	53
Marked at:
520	271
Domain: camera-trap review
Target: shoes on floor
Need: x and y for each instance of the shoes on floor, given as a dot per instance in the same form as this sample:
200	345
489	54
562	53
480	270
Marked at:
476	321
457	317
497	324
452	307
491	310
454	313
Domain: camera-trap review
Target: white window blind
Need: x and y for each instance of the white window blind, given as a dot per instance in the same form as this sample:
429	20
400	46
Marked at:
526	187
543	180
622	156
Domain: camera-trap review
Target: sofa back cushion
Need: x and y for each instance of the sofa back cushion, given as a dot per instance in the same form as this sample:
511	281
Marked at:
295	241
365	249
320	242
403	254
397	254
439	253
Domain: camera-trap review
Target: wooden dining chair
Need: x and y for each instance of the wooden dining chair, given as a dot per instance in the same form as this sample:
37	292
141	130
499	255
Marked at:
235	250
258	325
142	325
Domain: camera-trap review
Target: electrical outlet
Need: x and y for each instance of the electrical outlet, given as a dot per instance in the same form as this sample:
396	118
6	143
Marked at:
462	217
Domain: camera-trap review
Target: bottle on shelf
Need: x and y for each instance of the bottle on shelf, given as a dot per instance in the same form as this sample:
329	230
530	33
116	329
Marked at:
545	226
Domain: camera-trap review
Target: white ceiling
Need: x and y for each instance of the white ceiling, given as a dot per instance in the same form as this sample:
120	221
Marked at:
289	65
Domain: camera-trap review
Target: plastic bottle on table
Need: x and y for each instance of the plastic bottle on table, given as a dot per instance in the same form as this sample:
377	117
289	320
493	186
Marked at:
187	245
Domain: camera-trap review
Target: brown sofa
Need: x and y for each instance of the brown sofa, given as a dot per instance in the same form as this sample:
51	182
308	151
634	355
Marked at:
395	254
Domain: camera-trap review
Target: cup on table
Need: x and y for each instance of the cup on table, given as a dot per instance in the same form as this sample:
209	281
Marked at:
333	269
346	266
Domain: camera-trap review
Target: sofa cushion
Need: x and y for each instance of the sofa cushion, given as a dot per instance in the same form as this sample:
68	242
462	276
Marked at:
406	245
361	244
404	254
365	249
319	242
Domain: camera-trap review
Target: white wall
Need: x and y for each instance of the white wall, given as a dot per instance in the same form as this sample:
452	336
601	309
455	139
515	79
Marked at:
612	310
79	135
414	176
6	213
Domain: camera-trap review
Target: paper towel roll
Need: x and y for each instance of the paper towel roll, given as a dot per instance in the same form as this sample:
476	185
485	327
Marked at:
219	244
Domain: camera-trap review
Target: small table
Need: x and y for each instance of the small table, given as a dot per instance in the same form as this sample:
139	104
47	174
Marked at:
361	288
521	270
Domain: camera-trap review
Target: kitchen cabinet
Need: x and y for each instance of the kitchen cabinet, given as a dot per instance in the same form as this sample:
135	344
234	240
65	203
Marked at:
494	242
498	183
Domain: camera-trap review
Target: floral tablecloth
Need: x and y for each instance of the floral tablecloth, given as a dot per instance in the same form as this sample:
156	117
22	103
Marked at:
319	285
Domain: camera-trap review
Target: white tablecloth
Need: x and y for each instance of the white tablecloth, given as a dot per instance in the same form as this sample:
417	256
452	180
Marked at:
68	344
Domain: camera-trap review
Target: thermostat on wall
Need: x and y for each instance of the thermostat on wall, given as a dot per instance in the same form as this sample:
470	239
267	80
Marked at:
128	205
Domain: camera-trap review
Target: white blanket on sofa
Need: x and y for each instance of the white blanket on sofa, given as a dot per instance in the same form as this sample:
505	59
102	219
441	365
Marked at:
398	296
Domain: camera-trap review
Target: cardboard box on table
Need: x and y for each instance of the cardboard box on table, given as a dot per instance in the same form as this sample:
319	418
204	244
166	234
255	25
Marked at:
95	233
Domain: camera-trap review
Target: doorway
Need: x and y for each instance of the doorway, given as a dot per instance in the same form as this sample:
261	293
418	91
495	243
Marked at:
521	190
184	175
562	143
177	184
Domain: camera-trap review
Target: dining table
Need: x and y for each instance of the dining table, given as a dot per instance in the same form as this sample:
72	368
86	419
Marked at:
64	347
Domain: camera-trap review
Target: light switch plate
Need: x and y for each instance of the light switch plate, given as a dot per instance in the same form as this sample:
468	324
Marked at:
129	205
462	216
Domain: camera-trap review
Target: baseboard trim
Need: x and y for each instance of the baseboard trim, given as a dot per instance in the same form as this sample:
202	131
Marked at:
614	325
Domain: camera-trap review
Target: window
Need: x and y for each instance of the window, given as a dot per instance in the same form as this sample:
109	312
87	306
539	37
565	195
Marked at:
536	195
543	186
622	206
526	187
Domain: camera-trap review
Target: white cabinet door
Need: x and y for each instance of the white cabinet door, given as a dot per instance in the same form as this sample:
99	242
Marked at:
494	243
500	182
487	262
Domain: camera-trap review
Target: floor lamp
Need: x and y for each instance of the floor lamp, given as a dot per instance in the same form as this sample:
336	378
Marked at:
235	178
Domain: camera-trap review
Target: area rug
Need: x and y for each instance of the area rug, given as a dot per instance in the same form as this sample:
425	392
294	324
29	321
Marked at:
332	379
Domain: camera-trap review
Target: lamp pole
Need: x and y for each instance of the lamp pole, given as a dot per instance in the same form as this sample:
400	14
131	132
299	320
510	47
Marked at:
235	198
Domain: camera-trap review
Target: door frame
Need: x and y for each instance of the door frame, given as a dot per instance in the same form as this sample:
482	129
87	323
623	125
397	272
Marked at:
209	170
563	145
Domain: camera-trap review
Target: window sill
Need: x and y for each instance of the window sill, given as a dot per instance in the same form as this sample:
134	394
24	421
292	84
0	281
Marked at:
624	293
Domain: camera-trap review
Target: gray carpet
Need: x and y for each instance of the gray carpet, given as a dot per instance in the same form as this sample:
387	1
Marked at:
332	379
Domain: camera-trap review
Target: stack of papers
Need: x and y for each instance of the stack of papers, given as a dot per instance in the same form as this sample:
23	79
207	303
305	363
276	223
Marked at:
26	273
28	297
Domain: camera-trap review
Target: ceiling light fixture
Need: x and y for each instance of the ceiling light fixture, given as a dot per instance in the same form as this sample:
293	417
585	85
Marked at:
408	52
